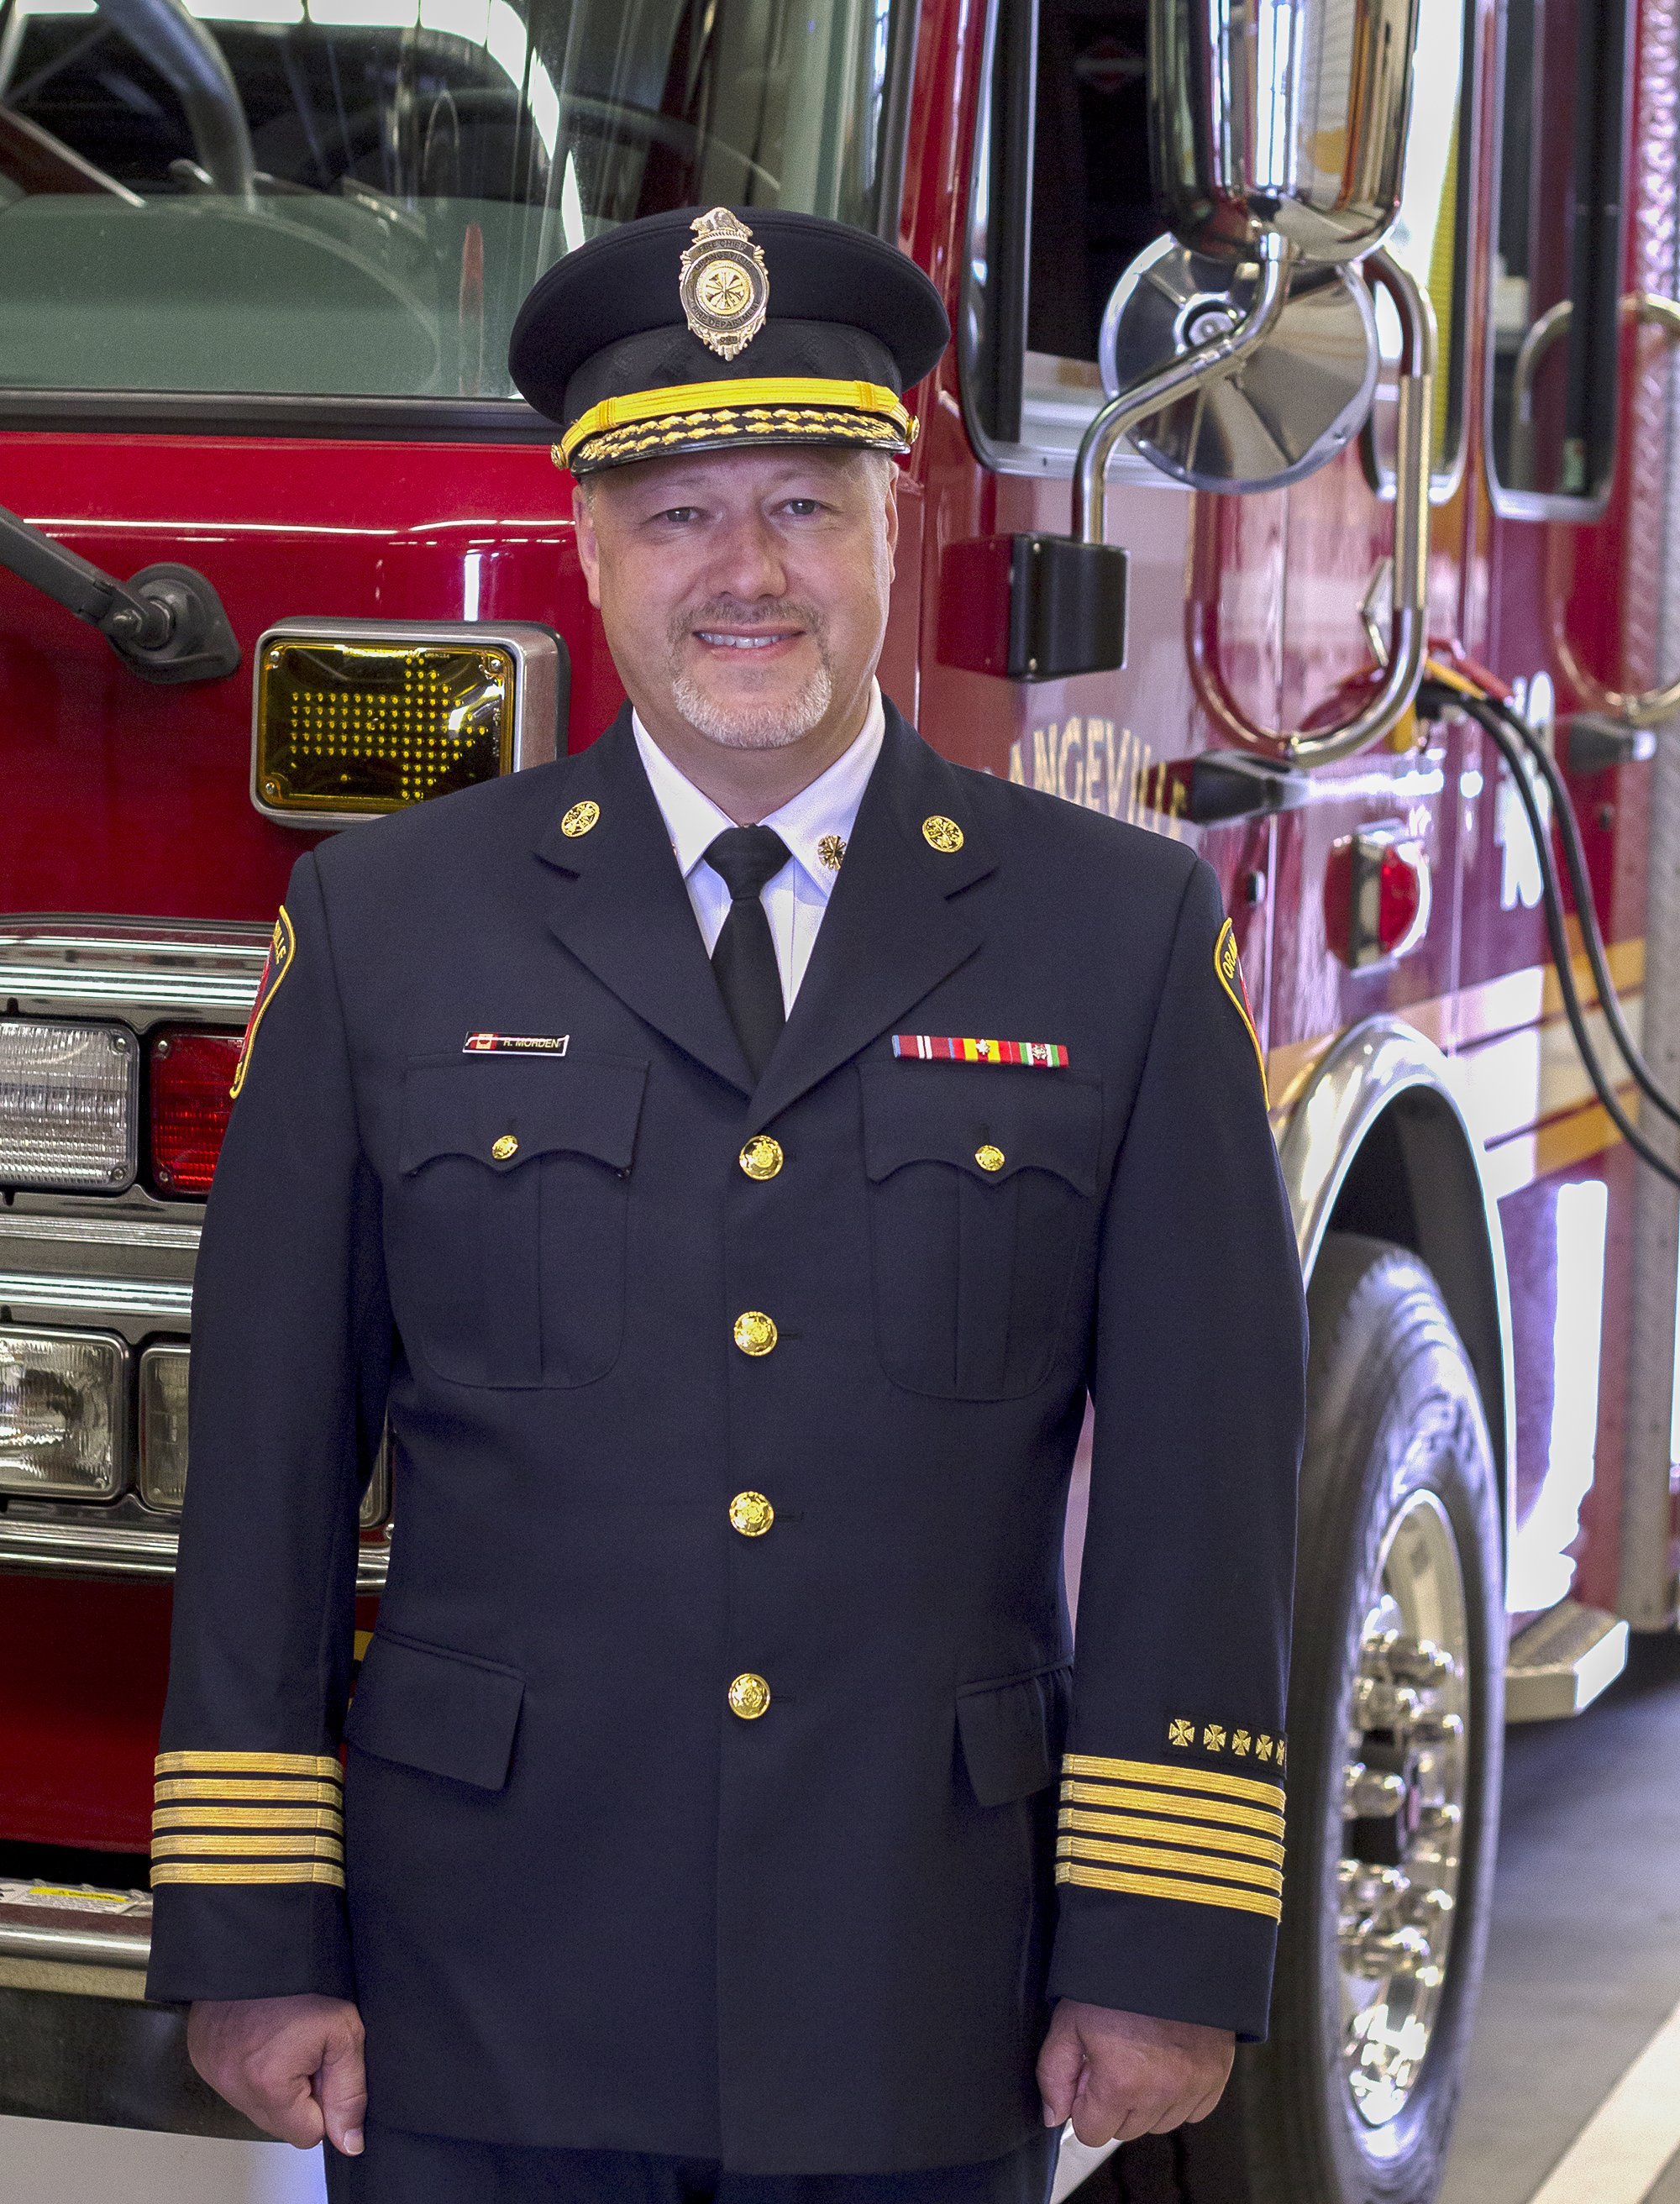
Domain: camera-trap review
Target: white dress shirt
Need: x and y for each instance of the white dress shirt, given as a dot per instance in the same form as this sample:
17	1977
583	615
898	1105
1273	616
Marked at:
816	825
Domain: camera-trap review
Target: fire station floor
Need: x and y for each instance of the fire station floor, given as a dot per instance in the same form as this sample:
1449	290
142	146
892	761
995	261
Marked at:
1573	2095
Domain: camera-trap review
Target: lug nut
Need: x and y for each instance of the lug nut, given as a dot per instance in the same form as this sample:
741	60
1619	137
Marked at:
1368	1794
1378	1705
1417	1661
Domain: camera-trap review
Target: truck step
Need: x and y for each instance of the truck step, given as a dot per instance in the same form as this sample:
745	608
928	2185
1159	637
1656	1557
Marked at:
1562	1661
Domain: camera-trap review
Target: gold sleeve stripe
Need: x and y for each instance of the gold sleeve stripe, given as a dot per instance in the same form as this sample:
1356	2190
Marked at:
275	1848
247	1871
1163	1859
1175	1778
1172	1832
1159	1885
250	1763
292	1794
1187	1810
247	1817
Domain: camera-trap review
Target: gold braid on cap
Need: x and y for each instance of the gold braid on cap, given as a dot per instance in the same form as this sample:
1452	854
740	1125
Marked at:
797	405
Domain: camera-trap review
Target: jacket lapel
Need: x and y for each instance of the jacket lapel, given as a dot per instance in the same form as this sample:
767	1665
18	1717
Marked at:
622	910
895	925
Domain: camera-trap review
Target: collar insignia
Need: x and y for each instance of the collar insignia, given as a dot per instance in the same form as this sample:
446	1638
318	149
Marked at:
831	851
725	286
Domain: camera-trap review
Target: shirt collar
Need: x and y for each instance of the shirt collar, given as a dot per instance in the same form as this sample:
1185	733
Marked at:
824	813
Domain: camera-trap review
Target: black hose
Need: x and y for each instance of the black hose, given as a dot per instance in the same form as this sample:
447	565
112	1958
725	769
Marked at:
1502	725
1581	886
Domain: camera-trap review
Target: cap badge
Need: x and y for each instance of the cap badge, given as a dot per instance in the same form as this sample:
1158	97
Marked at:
725	286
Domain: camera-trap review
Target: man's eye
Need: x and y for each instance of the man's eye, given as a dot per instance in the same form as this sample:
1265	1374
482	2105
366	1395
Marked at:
679	512
803	507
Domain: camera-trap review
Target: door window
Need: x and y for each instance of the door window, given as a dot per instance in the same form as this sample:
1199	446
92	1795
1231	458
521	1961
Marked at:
1557	254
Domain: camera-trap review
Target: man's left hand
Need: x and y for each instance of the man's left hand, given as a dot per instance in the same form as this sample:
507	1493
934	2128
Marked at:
1119	2075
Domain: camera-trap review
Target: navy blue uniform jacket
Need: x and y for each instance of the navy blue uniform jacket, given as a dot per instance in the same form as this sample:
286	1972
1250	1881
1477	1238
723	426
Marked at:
581	1899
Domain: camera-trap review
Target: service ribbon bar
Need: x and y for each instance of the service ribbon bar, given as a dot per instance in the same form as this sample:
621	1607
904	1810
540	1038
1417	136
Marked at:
963	1048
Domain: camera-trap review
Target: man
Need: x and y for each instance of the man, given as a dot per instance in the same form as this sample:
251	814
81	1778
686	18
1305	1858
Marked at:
648	1137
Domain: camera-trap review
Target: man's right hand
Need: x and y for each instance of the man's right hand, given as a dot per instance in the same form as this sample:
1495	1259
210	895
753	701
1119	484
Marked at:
293	2066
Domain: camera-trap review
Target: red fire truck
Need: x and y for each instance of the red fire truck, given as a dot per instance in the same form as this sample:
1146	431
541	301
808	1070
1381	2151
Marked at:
1368	593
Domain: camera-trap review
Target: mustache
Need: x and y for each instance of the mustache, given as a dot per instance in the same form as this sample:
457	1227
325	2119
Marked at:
767	612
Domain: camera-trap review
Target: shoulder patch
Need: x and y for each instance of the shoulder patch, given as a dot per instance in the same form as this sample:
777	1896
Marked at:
282	946
1229	968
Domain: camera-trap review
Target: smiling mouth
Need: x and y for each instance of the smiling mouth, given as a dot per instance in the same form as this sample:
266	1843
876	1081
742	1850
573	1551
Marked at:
721	639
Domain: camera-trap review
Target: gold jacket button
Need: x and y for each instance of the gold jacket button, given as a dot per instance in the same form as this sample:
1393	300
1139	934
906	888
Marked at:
508	1145
762	1157
755	1332
989	1157
752	1514
749	1696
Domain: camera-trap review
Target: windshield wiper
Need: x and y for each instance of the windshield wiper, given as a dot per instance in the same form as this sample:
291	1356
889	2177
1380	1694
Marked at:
167	622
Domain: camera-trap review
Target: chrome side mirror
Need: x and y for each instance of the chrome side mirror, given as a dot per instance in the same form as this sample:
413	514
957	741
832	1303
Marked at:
1284	117
1278	138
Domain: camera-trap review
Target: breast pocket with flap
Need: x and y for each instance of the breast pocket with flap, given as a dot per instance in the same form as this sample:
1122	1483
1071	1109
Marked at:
506	1229
982	1201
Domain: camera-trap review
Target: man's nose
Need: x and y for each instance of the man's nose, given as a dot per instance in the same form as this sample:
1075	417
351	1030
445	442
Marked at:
747	564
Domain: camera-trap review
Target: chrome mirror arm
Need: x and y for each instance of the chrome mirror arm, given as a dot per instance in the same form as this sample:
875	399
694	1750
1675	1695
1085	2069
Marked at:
1207	363
1408	626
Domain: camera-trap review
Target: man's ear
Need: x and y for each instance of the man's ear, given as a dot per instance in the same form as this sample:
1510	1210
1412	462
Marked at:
891	517
589	546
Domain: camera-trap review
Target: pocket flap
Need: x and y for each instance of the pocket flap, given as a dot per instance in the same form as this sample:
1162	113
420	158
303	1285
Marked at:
1011	1734
525	1106
444	1712
953	1113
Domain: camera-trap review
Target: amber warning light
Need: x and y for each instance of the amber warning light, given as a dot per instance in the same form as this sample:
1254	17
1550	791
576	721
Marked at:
354	718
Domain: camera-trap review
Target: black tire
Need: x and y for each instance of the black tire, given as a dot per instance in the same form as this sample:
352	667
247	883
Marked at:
1393	1410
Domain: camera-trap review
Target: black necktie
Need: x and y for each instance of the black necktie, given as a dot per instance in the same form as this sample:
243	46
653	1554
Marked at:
744	960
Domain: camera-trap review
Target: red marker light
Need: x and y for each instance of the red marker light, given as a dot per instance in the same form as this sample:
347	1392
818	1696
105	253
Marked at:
1401	898
190	1073
1377	894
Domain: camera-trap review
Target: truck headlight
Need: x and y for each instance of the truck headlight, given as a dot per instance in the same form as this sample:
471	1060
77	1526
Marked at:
63	1402
68	1113
164	1425
163	1437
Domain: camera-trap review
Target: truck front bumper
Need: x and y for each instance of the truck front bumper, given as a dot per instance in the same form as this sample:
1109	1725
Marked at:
78	2039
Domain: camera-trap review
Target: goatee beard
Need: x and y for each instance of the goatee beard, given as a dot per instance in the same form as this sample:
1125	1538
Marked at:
747	726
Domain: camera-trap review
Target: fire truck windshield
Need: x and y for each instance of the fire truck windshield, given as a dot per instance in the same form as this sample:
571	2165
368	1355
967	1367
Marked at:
351	197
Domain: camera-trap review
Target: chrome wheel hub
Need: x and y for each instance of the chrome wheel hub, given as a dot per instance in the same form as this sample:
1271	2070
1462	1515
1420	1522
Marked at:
1403	1804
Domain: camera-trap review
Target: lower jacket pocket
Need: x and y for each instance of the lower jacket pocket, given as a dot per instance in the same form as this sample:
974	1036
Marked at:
1011	1733
447	1713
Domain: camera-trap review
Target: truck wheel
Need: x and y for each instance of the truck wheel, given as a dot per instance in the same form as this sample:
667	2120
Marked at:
1396	1735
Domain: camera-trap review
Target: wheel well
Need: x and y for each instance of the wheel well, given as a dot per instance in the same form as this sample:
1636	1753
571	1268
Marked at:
1414	1180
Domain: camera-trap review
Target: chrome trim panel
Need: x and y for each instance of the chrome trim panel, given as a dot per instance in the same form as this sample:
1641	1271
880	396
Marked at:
158	1301
164	968
125	1550
121	1231
1360	1077
68	1933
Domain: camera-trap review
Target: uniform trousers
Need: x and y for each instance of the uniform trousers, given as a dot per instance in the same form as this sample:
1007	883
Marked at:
400	2167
